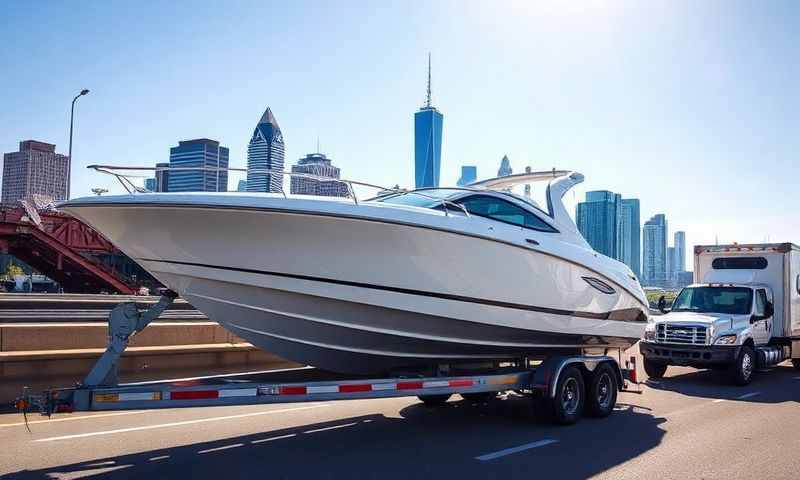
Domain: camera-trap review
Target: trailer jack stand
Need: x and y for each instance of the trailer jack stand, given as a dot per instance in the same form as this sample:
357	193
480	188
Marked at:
124	321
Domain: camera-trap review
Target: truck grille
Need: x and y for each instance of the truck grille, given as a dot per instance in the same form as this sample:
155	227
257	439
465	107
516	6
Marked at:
683	334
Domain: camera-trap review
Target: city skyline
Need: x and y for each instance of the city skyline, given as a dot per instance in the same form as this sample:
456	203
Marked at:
594	72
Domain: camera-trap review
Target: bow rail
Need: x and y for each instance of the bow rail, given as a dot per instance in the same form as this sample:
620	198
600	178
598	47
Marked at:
125	180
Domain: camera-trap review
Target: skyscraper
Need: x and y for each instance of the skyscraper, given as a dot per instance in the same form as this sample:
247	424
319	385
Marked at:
36	169
505	167
598	221
630	247
654	268
265	152
196	154
469	173
427	141
672	265
318	165
242	187
150	184
679	240
162	177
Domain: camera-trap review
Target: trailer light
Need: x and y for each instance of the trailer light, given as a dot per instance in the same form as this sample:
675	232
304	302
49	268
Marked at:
106	397
726	340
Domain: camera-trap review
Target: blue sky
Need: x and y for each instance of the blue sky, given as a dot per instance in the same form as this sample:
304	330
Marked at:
693	107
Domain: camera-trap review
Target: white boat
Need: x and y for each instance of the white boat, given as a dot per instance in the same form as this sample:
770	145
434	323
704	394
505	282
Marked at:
422	278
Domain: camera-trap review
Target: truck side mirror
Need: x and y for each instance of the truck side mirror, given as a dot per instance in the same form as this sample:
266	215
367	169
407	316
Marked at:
662	304
769	310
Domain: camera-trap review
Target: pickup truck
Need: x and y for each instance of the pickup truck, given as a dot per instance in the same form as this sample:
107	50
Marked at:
745	315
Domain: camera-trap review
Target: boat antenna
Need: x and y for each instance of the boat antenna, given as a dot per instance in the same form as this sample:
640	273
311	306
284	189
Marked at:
428	100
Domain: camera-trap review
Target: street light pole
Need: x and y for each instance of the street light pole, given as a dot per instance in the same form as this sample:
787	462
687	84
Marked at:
71	118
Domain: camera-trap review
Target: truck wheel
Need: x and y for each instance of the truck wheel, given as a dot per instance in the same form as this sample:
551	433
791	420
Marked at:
479	397
601	392
434	400
654	369
569	399
743	368
796	363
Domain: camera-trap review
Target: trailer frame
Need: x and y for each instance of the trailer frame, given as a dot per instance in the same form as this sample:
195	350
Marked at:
307	384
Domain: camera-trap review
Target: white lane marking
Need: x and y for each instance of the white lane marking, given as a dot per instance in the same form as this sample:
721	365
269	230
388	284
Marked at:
70	419
796	378
217	449
512	450
748	395
160	457
330	428
177	424
281	437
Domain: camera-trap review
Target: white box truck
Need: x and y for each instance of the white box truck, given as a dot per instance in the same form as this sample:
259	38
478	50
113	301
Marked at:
743	314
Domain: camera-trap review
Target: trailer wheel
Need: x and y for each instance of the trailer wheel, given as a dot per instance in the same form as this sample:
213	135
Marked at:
743	368
796	363
435	400
479	397
654	369
601	392
567	406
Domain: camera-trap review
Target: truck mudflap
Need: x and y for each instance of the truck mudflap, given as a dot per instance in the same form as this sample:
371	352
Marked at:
689	355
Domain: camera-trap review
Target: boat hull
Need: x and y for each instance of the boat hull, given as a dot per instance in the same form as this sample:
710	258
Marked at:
368	294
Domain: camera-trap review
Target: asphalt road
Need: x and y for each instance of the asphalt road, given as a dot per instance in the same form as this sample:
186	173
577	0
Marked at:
690	425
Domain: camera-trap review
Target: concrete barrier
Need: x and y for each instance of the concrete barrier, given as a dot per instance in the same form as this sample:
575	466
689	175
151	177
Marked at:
47	355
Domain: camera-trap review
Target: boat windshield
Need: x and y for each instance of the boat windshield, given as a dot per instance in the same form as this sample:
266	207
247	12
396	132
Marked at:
427	198
730	300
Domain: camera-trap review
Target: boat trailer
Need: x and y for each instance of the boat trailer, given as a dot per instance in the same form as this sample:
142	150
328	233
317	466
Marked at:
562	386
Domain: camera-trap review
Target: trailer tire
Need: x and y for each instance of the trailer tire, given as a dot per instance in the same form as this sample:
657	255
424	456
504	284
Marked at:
654	369
435	400
567	406
744	367
796	363
479	397
601	391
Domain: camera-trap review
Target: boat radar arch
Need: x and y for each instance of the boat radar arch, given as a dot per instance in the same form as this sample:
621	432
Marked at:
560	182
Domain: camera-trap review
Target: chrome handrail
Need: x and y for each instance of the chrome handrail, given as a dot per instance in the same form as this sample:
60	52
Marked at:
131	188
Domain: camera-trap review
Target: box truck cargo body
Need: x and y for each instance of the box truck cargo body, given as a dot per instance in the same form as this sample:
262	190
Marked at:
742	313
774	265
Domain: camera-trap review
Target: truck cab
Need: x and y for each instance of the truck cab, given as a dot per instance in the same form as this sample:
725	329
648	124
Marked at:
742	317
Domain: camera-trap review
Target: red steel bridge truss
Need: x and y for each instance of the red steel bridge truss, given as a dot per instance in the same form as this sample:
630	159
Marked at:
64	249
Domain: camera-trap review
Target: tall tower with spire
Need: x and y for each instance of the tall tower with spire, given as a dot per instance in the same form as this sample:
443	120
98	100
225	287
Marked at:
264	153
427	141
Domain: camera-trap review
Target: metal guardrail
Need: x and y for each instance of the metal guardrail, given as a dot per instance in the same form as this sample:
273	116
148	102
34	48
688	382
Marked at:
45	308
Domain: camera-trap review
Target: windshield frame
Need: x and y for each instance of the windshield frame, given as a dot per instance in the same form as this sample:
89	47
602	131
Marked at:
716	307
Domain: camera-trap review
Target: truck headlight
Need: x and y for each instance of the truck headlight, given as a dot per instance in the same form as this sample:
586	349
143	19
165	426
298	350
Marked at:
650	332
726	340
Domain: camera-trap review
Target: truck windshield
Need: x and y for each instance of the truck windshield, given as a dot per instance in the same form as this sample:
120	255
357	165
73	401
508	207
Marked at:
731	300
